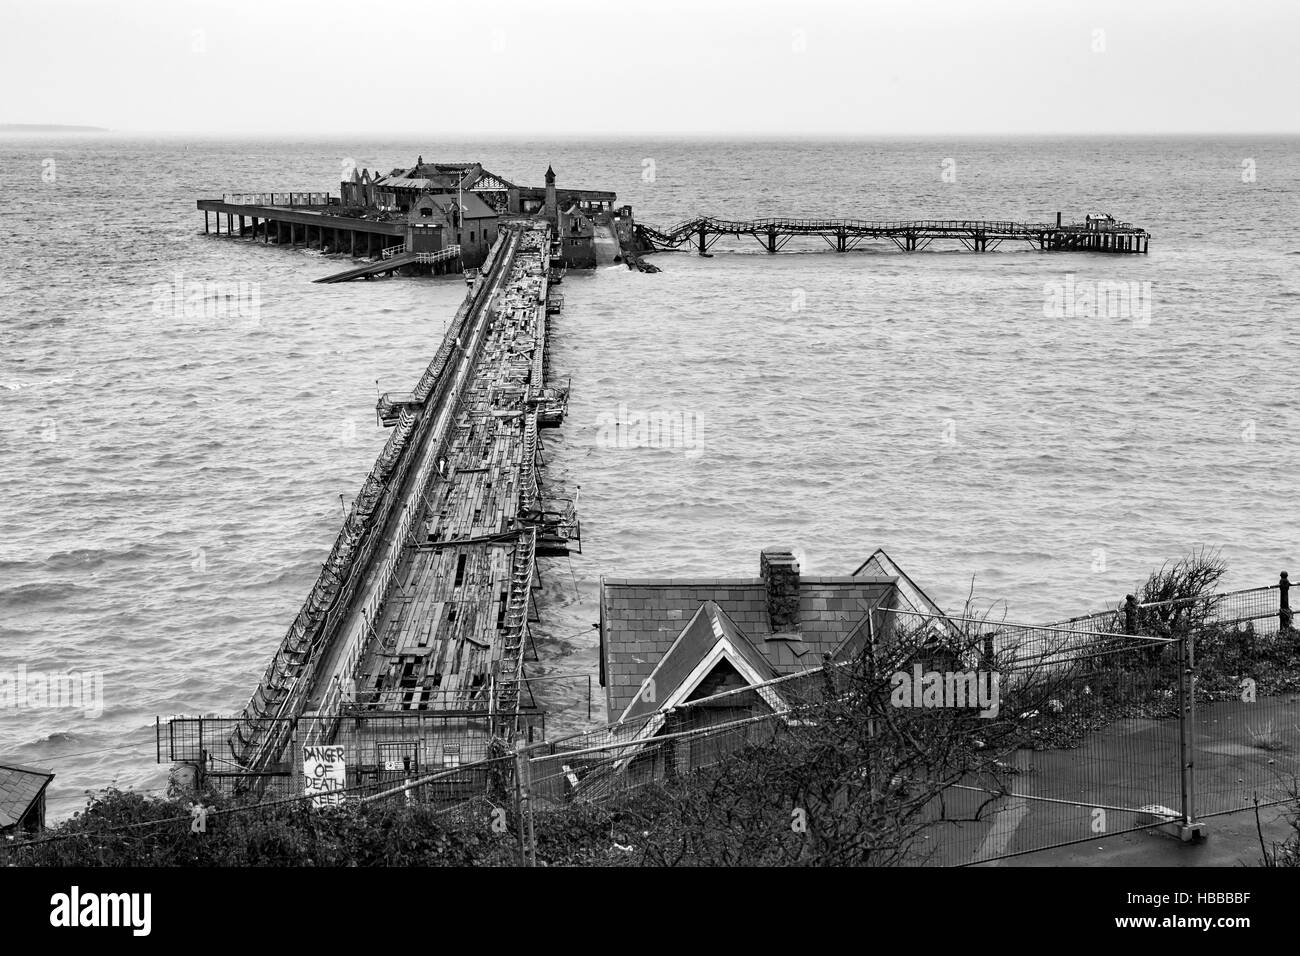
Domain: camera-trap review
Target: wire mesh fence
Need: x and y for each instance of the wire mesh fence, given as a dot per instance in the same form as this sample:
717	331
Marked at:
1244	720
1037	736
457	804
376	746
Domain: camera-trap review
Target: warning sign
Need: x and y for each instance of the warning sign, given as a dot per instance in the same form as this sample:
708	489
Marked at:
325	775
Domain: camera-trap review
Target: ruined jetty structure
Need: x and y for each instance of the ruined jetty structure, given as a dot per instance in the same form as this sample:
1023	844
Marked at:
430	218
1097	233
410	652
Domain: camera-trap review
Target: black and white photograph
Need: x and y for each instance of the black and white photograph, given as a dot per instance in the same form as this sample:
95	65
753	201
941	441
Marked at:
705	435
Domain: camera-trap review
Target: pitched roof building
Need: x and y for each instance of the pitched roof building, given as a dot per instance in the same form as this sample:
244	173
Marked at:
668	640
22	797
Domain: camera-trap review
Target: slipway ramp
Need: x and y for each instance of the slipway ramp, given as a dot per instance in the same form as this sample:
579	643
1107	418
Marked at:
372	269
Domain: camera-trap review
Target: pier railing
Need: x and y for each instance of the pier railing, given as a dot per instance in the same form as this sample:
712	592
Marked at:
442	255
291	679
277	199
433	372
917	233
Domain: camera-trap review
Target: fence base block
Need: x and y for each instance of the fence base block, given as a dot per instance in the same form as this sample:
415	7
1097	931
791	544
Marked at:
1170	823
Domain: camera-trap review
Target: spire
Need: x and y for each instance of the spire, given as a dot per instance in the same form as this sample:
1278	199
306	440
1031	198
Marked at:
550	173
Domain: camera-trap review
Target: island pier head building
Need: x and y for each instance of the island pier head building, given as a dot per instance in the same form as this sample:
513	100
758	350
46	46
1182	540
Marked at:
448	204
441	216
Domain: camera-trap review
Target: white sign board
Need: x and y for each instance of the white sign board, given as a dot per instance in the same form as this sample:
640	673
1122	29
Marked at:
324	775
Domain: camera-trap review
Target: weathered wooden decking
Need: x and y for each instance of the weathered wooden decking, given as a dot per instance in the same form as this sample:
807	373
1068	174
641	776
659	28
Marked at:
446	639
423	605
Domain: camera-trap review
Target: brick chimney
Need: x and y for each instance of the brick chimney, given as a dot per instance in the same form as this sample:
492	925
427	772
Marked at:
780	573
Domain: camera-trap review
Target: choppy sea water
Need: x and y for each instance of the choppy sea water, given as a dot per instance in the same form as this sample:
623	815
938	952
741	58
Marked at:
171	476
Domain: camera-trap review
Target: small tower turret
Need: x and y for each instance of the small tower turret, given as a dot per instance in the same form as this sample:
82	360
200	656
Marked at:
551	209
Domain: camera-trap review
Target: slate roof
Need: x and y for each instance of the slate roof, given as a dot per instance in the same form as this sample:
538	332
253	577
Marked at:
19	788
640	619
910	593
709	626
441	176
475	207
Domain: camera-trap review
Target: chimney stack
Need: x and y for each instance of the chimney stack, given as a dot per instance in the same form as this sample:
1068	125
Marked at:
780	573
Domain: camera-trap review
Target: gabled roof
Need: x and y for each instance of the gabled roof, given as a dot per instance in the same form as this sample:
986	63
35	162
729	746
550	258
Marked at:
473	206
881	564
445	177
710	637
642	618
932	619
487	180
20	787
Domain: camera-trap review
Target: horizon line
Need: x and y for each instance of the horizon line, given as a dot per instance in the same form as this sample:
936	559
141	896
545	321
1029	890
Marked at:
93	129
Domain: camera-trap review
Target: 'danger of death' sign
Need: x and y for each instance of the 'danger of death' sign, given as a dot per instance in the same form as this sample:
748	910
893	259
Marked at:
324	775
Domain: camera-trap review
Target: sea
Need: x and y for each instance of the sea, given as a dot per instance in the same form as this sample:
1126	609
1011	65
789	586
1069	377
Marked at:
184	418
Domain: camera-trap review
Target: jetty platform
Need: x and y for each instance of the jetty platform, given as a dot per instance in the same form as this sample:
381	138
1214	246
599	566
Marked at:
1095	234
300	219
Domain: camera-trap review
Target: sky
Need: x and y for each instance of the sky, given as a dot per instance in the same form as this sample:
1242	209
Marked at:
703	67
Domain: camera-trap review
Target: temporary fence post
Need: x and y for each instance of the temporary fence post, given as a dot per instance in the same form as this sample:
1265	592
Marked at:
1284	602
523	804
203	759
1130	614
1189	829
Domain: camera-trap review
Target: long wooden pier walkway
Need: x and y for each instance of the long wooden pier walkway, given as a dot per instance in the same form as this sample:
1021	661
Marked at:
423	605
1101	234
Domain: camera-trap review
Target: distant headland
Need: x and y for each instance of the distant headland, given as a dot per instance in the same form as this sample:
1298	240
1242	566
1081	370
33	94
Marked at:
49	128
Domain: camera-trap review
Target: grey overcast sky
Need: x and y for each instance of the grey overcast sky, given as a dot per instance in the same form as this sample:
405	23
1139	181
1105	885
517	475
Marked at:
711	67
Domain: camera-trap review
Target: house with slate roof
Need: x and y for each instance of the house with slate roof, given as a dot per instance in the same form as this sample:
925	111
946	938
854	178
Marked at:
665	641
22	797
